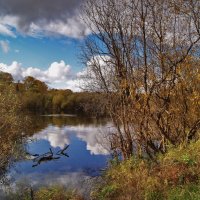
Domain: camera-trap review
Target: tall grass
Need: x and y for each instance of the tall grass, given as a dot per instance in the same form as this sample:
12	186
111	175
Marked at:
175	175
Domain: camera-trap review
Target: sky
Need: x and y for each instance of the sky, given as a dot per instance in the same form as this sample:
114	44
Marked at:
42	39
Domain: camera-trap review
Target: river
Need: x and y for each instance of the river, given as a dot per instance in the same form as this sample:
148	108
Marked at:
85	152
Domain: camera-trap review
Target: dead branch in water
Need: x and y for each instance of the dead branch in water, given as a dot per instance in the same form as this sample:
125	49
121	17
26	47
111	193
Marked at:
49	156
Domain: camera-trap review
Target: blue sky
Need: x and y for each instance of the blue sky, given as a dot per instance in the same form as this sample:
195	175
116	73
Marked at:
41	52
42	40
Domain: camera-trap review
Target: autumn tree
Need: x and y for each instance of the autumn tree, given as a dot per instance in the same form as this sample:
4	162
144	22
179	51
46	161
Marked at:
139	54
5	78
35	85
11	126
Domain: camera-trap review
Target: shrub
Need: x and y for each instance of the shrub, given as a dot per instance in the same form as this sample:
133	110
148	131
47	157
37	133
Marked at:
175	175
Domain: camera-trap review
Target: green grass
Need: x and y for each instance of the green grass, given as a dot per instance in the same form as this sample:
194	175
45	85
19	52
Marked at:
175	176
186	192
56	193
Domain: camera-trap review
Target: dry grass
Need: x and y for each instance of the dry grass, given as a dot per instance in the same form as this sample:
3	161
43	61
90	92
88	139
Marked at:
175	176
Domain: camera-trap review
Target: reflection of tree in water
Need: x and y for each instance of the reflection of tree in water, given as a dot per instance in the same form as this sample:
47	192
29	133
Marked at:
61	120
36	124
12	150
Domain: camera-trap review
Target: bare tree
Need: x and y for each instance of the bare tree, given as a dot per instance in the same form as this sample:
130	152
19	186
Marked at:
138	54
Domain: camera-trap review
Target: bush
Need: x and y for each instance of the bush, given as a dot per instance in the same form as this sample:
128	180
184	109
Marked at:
56	193
176	175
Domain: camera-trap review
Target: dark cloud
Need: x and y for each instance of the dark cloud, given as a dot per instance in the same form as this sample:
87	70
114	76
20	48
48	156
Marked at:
39	12
33	10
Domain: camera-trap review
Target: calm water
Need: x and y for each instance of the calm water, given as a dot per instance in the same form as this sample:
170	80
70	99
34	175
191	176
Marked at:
85	157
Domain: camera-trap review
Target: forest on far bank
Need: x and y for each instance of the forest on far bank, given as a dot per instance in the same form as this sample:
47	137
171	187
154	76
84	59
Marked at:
36	97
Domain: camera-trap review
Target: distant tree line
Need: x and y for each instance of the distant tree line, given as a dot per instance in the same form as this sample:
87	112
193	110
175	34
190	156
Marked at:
36	97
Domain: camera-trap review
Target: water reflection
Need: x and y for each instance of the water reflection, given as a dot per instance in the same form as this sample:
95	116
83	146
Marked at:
73	181
85	157
92	135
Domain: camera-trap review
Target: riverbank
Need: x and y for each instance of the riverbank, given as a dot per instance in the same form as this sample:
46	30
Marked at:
175	175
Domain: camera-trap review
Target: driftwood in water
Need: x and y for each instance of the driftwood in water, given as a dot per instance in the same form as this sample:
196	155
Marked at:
62	151
49	156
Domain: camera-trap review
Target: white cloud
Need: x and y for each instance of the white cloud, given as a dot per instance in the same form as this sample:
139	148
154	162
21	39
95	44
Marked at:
75	83
58	71
8	22
6	30
5	46
73	27
97	67
15	69
59	75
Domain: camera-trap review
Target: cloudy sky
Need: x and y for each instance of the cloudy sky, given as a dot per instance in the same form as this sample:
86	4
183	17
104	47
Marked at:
42	39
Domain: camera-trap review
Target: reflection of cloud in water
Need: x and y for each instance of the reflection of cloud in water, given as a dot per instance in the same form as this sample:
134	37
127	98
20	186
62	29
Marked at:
55	135
72	181
92	135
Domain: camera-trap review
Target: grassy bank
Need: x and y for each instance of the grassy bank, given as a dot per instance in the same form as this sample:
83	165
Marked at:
176	175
